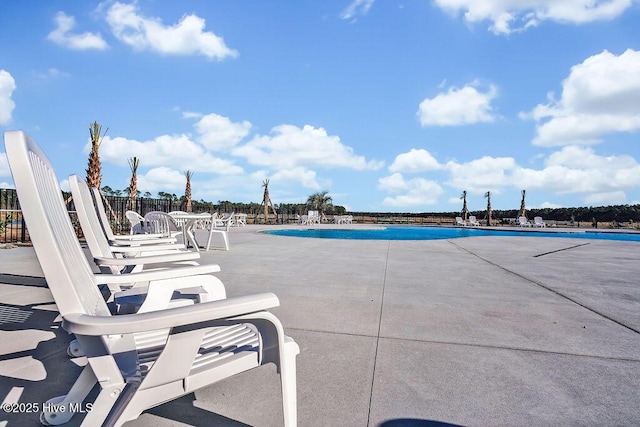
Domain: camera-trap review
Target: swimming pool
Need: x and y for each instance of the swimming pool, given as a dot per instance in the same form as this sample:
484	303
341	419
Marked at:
434	233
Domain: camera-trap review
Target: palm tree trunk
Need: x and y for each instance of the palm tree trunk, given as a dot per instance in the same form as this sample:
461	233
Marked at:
187	191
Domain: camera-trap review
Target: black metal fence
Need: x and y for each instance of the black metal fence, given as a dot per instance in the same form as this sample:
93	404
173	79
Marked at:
12	226
14	230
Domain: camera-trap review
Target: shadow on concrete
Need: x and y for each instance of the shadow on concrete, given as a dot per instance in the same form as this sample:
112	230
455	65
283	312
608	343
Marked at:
182	410
59	370
414	422
16	279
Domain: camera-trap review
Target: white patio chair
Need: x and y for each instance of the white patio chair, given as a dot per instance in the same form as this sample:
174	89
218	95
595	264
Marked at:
240	220
538	222
211	226
136	239
162	223
460	221
313	217
473	221
203	343
523	222
136	220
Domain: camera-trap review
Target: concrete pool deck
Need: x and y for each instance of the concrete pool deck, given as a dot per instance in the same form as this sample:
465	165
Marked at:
479	331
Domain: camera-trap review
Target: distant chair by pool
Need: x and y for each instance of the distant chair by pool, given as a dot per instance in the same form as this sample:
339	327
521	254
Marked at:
313	217
538	222
460	221
473	221
343	219
524	222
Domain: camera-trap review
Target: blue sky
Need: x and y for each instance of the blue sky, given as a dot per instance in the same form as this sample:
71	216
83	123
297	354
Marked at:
387	105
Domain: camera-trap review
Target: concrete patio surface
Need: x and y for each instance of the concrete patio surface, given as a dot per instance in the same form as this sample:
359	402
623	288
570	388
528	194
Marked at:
478	331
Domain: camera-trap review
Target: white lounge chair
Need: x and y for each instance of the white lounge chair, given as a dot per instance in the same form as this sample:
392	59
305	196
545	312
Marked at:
523	222
460	221
204	343
140	293
473	221
112	259
135	239
538	222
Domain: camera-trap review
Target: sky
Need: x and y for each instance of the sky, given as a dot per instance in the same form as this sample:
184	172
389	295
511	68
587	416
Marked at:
390	106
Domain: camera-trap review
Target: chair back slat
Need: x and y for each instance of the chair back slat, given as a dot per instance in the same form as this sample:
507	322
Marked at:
88	217
102	213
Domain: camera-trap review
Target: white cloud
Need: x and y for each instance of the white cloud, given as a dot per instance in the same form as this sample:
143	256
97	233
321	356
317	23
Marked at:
165	150
409	193
7	86
517	15
414	161
62	35
187	37
600	96
356	7
608	198
218	133
458	106
571	170
305	177
162	179
481	175
289	146
550	205
51	73
581	170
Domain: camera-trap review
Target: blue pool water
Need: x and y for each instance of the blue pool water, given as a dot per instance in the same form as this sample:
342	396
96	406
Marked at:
433	233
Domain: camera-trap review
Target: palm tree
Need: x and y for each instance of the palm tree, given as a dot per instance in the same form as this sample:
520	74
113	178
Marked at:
488	196
94	168
465	211
320	201
94	174
266	201
134	162
187	190
522	205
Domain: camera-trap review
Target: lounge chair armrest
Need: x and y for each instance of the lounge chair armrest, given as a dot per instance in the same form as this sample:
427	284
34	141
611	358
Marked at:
144	260
148	236
167	273
126	241
150	248
83	324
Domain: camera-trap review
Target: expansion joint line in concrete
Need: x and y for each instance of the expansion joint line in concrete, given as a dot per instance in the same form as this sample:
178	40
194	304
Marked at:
375	357
543	286
560	250
521	349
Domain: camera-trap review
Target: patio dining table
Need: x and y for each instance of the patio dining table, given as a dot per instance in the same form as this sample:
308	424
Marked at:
186	222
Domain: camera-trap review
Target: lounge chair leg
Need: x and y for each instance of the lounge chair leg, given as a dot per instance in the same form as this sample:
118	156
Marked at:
59	410
74	349
209	239
288	381
225	236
